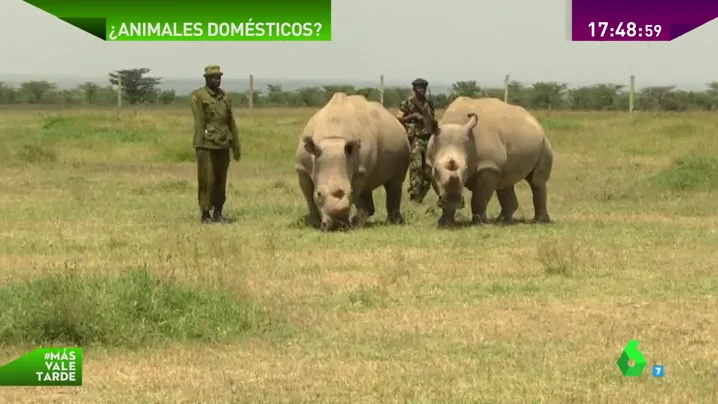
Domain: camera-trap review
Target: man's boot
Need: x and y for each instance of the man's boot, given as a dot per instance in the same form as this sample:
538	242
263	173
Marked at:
218	217
206	218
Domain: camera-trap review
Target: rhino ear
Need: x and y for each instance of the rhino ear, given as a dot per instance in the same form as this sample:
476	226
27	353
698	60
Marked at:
352	147
473	120
311	147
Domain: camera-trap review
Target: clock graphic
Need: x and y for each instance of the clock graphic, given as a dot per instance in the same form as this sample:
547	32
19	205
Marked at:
612	32
624	31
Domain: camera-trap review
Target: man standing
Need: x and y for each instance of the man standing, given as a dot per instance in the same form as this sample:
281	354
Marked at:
417	114
215	132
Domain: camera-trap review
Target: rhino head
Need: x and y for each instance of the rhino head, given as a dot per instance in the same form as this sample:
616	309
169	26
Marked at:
452	154
335	173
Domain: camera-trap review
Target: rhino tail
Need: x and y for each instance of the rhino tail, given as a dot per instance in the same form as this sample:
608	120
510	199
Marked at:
544	165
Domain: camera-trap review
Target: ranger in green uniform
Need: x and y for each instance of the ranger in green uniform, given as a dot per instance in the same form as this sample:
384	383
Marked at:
418	116
215	133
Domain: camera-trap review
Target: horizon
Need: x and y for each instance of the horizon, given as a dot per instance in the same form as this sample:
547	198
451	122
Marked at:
186	84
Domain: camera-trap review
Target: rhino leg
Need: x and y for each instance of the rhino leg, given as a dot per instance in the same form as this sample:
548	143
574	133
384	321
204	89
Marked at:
448	218
484	185
393	201
365	208
539	198
509	203
537	180
307	186
366	203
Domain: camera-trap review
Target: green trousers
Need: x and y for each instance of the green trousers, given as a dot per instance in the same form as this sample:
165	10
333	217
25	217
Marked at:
419	171
212	167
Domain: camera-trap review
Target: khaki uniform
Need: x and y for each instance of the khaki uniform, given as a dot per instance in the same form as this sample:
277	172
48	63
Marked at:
215	133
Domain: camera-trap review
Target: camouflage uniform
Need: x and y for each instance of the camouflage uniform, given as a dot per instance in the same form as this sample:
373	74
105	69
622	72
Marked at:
215	133
419	134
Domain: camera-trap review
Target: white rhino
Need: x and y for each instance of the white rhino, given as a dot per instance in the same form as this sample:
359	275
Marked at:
487	145
349	148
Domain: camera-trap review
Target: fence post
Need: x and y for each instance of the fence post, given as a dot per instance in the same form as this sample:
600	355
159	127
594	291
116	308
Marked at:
381	89
631	92
250	92
506	88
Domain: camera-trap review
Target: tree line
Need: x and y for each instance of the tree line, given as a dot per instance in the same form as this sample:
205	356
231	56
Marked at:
138	88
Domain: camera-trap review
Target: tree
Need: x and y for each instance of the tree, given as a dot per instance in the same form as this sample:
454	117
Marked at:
137	89
339	88
466	89
654	98
7	94
548	95
89	90
36	91
712	95
167	97
275	95
596	97
440	100
310	96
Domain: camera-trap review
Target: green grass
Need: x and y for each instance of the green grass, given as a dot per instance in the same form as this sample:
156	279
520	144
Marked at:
690	173
100	245
136	309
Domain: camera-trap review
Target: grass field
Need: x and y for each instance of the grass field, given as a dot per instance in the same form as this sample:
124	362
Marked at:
101	246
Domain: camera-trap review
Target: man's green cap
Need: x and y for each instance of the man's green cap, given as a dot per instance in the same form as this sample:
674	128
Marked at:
212	70
419	83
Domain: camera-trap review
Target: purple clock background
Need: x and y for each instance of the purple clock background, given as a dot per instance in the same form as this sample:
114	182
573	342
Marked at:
676	17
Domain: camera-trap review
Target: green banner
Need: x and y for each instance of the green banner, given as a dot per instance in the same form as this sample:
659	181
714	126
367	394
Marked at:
206	20
44	367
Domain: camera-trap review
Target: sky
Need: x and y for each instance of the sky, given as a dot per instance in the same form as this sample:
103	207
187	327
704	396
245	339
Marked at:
467	39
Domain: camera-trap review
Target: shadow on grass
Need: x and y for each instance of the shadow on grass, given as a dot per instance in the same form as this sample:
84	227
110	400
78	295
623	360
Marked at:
303	222
132	310
464	223
227	220
514	222
371	224
195	217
